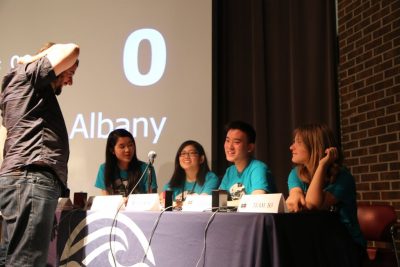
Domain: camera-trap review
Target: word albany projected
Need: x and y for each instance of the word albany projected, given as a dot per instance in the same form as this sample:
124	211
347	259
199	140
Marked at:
145	66
99	127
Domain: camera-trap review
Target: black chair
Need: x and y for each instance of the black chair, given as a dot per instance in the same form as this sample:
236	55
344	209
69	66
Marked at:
378	225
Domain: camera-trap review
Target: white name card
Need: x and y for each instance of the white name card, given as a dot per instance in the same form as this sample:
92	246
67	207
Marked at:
107	203
197	203
233	203
143	202
265	203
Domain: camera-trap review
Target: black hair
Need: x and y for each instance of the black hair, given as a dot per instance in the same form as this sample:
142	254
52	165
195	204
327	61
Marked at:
179	176
111	164
244	127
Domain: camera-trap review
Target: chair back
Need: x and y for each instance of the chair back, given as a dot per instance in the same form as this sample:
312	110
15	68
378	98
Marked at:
376	221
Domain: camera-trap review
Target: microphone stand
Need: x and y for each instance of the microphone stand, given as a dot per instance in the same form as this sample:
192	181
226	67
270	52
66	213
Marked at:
149	178
151	156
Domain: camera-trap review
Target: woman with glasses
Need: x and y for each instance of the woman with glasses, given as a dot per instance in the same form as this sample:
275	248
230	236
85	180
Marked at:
122	171
192	174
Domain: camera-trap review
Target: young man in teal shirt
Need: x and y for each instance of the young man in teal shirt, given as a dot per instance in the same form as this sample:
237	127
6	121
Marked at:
247	175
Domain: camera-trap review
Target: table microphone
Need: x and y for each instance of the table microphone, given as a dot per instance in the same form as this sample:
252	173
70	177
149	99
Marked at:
152	155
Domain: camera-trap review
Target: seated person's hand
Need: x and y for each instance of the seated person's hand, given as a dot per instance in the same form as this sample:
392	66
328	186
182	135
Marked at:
331	155
296	200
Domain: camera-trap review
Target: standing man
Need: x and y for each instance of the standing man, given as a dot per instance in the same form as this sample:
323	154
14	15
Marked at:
247	175
33	174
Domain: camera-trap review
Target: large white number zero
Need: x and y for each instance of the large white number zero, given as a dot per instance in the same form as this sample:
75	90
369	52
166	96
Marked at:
158	57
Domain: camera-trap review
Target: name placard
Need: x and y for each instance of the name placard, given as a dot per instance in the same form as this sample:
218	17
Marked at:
107	203
197	203
143	202
264	203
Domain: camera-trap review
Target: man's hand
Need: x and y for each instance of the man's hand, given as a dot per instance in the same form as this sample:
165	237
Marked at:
25	59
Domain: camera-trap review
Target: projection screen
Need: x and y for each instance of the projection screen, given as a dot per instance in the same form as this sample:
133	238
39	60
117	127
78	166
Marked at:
145	66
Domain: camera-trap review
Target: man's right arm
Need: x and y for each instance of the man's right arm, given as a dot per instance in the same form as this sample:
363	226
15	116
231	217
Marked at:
62	56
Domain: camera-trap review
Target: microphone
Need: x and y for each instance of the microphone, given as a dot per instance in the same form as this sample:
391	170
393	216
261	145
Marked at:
152	155
147	170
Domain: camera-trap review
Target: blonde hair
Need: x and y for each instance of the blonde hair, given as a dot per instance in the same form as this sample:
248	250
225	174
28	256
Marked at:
317	138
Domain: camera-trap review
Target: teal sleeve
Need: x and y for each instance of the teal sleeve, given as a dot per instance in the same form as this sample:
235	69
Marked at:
294	180
223	185
100	178
343	187
154	181
211	183
259	179
176	191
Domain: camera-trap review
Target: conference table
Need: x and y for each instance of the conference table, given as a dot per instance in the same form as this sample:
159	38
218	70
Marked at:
173	238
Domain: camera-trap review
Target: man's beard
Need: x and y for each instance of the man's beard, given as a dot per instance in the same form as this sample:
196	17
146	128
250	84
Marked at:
58	90
57	86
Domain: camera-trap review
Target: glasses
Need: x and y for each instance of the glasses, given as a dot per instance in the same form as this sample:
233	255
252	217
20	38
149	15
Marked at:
191	154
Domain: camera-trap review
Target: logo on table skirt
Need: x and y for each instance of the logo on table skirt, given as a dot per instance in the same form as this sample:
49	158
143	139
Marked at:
113	241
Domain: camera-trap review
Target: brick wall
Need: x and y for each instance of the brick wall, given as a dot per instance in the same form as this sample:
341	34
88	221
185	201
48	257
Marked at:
369	94
369	91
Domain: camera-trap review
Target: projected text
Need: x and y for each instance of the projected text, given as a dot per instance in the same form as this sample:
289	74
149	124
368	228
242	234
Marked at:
97	126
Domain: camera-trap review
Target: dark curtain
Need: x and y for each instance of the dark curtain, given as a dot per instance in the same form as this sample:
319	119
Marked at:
274	66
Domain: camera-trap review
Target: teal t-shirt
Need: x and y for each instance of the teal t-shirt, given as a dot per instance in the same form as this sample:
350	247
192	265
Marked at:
123	175
211	182
256	176
344	190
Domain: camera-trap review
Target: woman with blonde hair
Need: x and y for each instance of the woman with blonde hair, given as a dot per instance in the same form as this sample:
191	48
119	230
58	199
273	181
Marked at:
319	181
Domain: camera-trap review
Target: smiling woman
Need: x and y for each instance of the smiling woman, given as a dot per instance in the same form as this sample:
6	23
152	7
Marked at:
123	173
192	174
